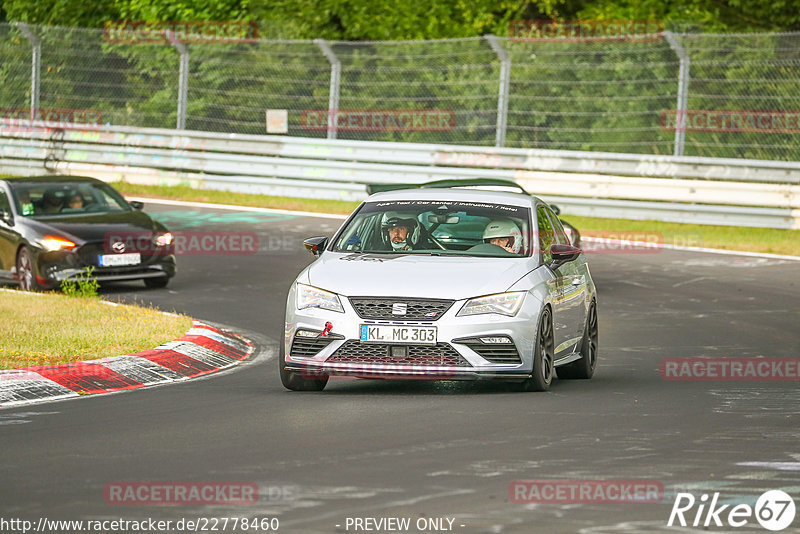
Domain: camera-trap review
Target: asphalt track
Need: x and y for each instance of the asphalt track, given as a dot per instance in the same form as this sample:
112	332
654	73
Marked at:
433	449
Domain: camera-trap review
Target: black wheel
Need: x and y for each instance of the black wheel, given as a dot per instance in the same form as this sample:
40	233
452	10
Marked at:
584	368
543	356
298	381
26	274
155	283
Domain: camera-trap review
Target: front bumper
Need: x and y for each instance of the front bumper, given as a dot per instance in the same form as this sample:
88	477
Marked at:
52	268
459	354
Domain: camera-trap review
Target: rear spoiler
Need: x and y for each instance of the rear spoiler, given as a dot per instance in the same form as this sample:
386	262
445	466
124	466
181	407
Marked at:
488	184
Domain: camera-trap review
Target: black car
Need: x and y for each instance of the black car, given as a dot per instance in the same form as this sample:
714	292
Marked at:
53	228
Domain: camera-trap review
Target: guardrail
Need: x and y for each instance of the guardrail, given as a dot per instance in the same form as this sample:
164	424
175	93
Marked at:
667	188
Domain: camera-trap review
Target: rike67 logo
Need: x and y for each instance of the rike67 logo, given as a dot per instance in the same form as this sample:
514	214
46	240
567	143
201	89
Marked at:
774	510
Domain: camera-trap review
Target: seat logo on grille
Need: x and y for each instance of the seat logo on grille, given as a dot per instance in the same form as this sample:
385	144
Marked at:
399	308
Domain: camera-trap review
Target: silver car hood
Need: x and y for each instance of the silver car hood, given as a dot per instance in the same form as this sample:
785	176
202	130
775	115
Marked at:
414	275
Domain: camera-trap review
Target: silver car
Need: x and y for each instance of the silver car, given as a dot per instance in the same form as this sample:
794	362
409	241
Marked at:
442	284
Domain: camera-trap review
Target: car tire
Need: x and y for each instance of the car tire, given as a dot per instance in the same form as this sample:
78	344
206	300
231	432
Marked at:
543	355
26	273
295	381
156	283
584	368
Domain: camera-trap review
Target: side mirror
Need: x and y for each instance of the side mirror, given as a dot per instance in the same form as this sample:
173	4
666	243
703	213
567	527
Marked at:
563	254
315	245
135	204
555	209
6	217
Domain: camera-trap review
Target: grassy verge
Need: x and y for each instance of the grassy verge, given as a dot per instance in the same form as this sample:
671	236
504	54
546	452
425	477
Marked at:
767	240
184	192
697	235
50	328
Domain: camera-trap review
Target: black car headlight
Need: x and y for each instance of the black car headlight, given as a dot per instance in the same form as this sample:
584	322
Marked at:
52	243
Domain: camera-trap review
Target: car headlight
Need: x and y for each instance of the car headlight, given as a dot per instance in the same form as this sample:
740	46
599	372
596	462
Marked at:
162	240
502	303
52	243
313	297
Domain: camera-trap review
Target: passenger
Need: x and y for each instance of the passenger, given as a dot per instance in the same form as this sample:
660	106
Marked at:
504	233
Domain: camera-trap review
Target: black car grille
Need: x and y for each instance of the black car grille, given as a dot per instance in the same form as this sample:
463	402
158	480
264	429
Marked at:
307	347
416	309
381	353
493	352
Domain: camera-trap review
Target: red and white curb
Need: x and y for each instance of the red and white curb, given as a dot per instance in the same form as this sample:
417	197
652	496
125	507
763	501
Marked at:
201	350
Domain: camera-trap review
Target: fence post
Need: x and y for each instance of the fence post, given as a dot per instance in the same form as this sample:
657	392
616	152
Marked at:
333	92
502	97
683	92
36	66
183	78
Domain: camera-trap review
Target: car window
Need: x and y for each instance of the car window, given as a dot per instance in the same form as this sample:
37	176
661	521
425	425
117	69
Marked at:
546	234
42	199
436	227
558	228
5	205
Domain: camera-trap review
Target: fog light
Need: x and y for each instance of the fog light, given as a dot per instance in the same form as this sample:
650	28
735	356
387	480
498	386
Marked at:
495	340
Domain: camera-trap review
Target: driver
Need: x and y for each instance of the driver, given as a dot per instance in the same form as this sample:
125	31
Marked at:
399	231
75	201
504	233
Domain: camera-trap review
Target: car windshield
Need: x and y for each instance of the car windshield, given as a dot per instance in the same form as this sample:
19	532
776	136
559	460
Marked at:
439	228
45	199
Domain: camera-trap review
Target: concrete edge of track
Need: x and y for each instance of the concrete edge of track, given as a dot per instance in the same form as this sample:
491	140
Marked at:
202	350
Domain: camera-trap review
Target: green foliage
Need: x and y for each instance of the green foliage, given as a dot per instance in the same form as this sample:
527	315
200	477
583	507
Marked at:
392	20
83	287
92	14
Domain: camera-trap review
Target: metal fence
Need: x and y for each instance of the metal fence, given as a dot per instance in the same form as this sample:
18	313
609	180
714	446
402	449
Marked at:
611	96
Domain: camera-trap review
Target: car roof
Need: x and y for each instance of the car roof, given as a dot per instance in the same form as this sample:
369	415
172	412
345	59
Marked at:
50	179
455	194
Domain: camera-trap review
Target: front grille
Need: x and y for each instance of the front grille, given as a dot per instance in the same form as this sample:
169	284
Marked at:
306	347
416	309
493	352
381	353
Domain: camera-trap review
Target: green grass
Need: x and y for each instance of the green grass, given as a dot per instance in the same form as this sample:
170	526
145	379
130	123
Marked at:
697	235
185	192
50	328
767	240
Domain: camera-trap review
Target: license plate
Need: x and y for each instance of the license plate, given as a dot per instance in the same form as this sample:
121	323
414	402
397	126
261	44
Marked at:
116	260
424	335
